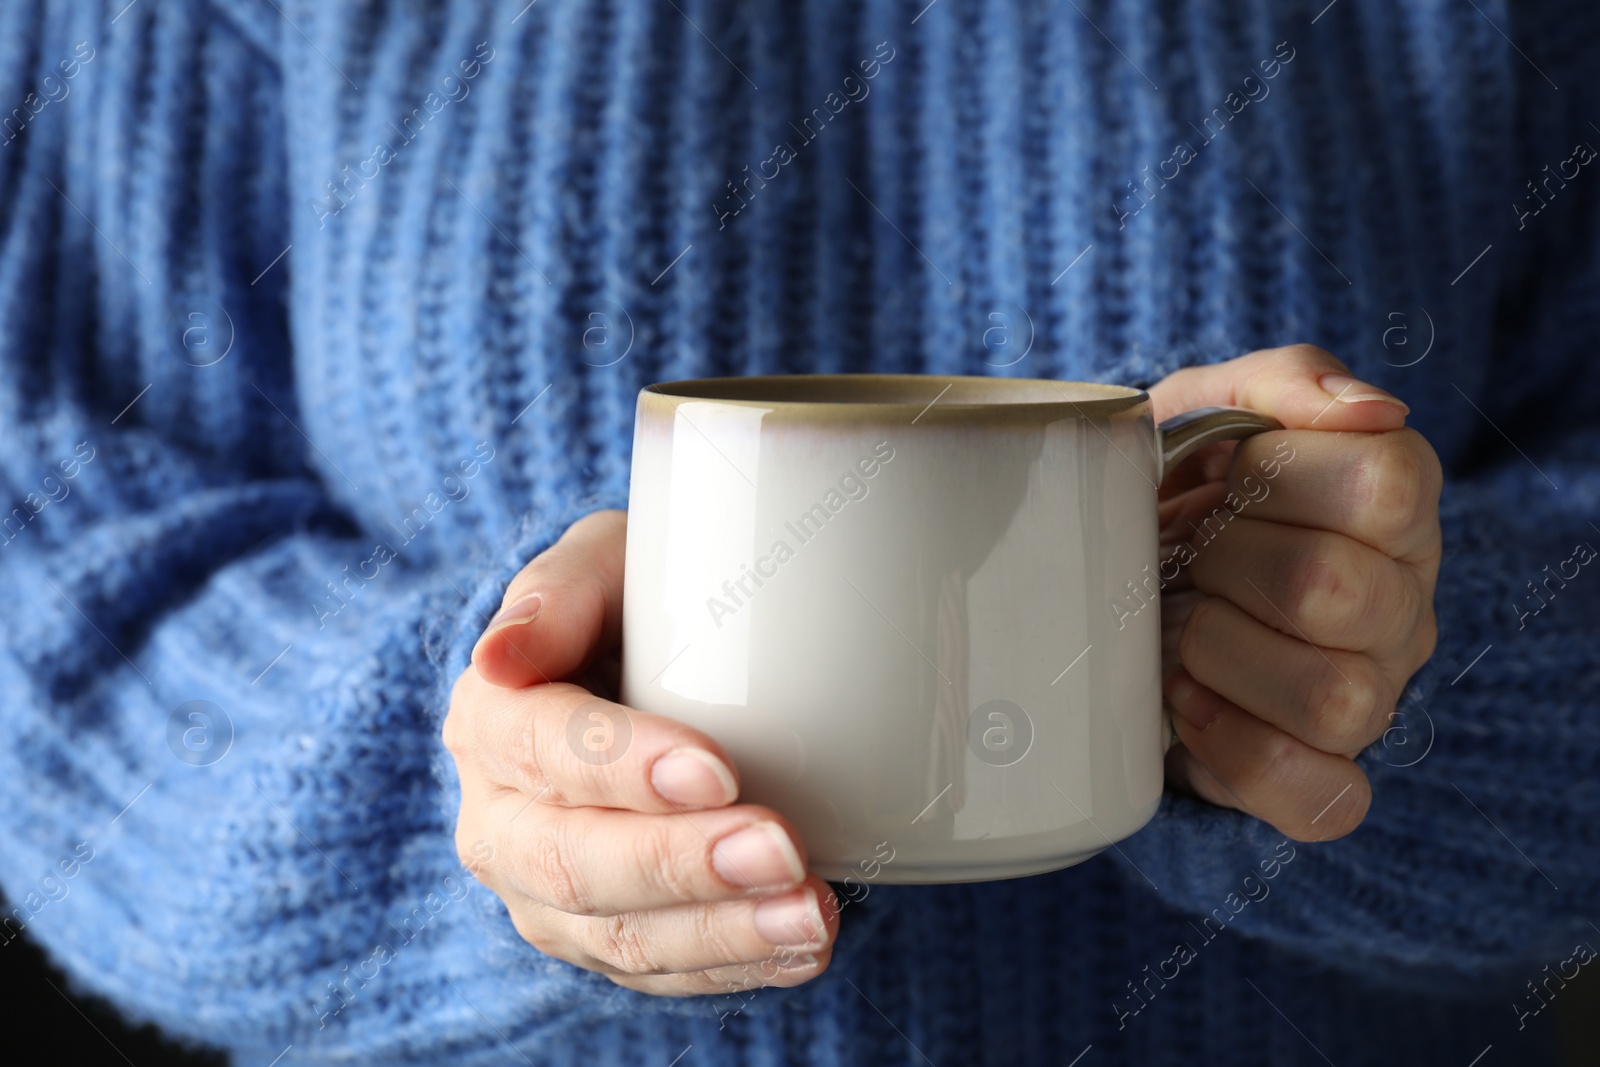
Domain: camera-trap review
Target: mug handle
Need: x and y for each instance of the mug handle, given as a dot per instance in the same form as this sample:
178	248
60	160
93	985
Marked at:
1181	435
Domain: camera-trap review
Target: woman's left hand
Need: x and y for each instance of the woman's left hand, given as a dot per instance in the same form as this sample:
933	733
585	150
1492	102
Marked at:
1305	601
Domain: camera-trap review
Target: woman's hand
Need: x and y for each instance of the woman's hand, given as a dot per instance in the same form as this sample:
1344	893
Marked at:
611	835
1305	601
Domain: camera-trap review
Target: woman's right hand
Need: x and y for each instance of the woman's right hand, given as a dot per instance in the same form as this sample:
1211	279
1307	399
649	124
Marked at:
610	834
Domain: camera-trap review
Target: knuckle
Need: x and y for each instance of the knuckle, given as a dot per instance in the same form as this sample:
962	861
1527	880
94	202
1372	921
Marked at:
1429	470
621	941
531	764
533	926
1267	776
1344	706
1394	482
450	734
660	862
541	749
552	875
1323	598
1315	356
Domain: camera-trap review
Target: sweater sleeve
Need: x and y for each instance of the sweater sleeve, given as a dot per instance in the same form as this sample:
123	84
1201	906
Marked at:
1480	852
227	809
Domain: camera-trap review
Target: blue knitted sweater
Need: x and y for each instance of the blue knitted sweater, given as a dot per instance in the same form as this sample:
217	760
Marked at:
318	320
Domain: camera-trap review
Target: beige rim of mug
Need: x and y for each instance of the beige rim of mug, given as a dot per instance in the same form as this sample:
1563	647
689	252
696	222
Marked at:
911	397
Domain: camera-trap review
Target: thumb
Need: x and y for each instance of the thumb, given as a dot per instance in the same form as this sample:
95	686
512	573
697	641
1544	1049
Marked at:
1301	386
562	610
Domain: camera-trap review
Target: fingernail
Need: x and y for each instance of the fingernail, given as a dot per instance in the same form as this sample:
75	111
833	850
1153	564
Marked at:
798	963
760	856
1348	390
792	921
523	609
1198	709
693	778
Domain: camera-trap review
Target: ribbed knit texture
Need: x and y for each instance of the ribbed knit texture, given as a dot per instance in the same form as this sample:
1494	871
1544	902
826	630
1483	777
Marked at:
446	303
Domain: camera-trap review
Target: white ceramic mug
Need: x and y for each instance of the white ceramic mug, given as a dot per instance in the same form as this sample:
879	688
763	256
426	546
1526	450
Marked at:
900	602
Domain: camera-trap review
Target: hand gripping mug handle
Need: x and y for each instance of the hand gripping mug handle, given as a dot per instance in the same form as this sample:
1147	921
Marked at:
1181	435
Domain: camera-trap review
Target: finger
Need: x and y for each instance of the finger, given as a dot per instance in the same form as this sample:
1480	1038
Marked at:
1332	700
1380	489
1176	608
562	610
594	861
1234	760
561	745
698	937
474	842
1324	588
783	970
1299	385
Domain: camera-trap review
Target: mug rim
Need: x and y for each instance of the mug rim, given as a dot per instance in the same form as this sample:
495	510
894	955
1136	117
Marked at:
1106	399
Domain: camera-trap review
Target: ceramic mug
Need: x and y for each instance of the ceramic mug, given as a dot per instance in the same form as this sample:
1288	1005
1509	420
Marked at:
902	604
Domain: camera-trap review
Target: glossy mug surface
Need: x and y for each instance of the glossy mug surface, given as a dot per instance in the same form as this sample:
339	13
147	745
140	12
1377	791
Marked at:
902	604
